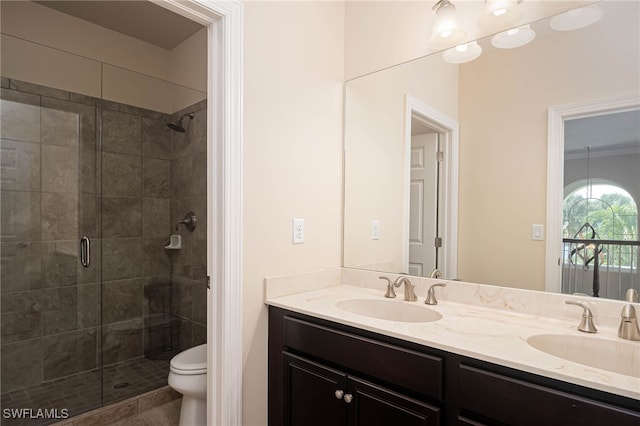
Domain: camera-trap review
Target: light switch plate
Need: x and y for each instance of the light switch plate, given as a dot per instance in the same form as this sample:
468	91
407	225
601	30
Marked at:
375	229
537	232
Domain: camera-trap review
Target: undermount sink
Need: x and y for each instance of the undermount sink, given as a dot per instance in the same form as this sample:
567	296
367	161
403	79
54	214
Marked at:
617	356
389	310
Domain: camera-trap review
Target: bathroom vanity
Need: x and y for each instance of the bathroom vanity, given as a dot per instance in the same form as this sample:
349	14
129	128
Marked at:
328	366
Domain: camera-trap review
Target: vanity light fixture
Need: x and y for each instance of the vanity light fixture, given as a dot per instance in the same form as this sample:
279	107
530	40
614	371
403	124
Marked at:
462	53
576	18
515	37
446	27
500	14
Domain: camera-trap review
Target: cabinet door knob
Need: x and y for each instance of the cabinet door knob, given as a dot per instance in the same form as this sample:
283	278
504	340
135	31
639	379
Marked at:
339	393
348	398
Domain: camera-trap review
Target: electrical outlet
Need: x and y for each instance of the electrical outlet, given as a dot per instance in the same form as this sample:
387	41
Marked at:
375	229
298	231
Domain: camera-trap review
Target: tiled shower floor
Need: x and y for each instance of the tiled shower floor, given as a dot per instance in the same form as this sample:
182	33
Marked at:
83	392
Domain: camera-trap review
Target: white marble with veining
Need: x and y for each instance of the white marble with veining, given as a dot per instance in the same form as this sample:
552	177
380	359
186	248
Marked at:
479	321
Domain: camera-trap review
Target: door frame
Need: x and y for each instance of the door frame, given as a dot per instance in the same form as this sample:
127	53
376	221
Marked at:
448	129
557	115
223	19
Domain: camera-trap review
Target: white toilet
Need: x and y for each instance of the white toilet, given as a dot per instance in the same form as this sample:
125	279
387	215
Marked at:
188	375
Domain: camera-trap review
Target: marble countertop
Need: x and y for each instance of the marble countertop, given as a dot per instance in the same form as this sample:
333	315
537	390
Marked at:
492	335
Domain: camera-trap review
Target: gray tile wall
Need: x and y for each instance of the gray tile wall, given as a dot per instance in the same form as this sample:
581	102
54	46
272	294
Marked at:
189	193
149	176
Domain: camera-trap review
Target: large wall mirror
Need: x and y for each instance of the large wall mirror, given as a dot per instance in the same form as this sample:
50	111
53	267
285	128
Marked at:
447	164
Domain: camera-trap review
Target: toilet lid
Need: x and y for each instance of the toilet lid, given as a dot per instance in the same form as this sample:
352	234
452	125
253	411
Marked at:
192	359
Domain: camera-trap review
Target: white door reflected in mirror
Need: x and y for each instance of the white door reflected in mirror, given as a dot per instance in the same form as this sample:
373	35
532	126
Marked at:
423	202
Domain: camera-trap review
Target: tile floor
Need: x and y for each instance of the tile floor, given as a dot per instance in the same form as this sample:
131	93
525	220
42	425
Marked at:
83	392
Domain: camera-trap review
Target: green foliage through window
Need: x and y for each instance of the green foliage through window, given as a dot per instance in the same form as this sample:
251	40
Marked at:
611	211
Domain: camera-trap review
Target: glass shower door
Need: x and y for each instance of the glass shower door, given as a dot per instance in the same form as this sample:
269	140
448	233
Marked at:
50	304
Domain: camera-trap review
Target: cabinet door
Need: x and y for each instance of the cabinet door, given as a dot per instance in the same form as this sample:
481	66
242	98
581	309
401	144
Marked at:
372	405
507	400
310	397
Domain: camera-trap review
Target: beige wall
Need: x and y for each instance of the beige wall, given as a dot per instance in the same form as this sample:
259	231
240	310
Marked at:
41	45
375	157
293	83
504	98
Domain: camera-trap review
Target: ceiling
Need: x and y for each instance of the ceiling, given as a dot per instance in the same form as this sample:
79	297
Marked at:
609	131
143	20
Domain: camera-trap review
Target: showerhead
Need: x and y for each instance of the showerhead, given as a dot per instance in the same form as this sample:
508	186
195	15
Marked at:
177	125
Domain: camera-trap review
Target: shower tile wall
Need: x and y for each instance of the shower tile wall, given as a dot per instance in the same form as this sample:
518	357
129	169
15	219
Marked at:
135	224
51	329
189	193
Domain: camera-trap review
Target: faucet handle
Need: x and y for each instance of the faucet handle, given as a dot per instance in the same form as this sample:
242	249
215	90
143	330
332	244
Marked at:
390	292
631	296
629	324
586	324
431	294
628	312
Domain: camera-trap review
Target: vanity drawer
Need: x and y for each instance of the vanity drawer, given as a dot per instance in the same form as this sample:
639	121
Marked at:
388	363
511	401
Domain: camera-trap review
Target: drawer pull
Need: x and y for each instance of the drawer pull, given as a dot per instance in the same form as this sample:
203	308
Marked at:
348	398
339	394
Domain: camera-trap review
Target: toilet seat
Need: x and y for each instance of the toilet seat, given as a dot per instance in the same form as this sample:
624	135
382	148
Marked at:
190	362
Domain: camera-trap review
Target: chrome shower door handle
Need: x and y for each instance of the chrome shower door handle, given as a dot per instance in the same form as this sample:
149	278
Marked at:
85	251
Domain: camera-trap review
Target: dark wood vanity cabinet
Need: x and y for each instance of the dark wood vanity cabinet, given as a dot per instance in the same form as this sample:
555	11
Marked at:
324	373
316	395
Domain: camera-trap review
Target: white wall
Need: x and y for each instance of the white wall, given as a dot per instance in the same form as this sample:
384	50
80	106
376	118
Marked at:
43	46
293	83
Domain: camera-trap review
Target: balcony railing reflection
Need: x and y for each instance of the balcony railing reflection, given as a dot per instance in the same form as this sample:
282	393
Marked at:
600	268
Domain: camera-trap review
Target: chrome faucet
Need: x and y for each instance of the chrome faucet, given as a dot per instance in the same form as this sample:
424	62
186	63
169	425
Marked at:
409	293
431	294
586	325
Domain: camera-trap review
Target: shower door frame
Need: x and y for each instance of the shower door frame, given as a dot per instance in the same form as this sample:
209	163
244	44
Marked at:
223	19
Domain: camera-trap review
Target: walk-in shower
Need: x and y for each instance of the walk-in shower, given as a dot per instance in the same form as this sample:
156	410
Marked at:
100	167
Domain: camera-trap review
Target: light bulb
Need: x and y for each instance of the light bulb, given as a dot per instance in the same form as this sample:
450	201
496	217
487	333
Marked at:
446	28
515	37
500	14
462	53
